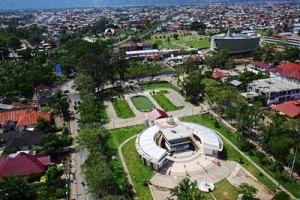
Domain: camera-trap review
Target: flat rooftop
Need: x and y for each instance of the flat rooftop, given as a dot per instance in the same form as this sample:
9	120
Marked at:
274	85
177	131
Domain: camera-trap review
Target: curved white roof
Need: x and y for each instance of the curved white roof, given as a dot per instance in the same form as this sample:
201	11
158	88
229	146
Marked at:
147	146
208	137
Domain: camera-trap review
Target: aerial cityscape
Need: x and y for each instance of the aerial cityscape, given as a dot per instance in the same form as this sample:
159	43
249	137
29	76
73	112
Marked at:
159	100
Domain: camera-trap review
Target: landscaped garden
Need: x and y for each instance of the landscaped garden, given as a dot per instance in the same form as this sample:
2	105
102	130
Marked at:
164	102
122	108
142	103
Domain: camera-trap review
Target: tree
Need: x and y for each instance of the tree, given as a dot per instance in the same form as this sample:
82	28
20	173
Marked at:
193	86
43	125
218	59
52	142
187	190
248	191
14	42
89	138
99	178
14	187
195	26
281	195
53	174
85	82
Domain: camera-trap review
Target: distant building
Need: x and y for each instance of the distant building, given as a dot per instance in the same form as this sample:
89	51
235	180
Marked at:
289	71
235	43
283	40
109	32
276	90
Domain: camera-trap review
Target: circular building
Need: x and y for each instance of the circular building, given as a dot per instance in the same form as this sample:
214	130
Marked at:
235	43
157	143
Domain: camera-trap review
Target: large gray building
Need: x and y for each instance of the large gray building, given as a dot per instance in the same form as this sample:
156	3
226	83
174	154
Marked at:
235	43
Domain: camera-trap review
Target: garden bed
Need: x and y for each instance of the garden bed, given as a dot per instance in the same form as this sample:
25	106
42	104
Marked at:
122	108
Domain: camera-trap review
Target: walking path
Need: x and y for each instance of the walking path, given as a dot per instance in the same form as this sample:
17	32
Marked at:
249	159
124	163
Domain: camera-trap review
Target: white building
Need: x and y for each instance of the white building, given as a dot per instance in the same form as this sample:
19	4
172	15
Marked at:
276	90
156	143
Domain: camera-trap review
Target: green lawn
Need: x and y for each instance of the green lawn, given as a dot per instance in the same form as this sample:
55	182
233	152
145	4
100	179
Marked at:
142	103
139	173
117	136
191	41
157	85
122	108
164	102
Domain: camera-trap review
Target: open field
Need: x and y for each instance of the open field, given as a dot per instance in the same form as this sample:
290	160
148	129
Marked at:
167	41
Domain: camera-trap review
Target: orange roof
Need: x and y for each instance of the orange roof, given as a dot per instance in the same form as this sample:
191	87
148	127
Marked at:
289	108
23	117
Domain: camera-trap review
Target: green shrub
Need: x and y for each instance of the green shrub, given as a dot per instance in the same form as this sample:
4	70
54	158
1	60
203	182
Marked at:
217	124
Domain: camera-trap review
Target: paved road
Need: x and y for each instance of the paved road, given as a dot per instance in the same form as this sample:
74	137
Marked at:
78	188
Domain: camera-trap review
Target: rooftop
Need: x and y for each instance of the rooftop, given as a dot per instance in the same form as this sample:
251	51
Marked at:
274	85
173	129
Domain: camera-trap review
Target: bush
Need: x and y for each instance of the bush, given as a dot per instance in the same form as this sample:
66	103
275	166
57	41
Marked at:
60	193
146	183
34	177
244	146
217	124
260	174
281	195
251	153
9	150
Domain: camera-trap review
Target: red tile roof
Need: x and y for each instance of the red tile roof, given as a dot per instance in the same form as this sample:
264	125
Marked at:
291	70
23	117
195	58
289	108
156	114
260	64
23	164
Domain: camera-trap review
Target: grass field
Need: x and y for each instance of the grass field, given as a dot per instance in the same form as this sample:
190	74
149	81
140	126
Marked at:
164	102
142	103
183	41
117	136
139	173
122	108
157	85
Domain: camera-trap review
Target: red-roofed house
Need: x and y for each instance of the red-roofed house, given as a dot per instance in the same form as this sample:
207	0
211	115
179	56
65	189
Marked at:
23	118
290	71
260	66
23	164
289	108
195	59
156	114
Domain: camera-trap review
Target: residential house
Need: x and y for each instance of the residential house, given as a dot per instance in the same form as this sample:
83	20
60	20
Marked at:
41	94
289	71
23	118
22	163
20	139
289	108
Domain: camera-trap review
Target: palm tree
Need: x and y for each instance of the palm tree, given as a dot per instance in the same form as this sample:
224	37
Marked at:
248	191
187	190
